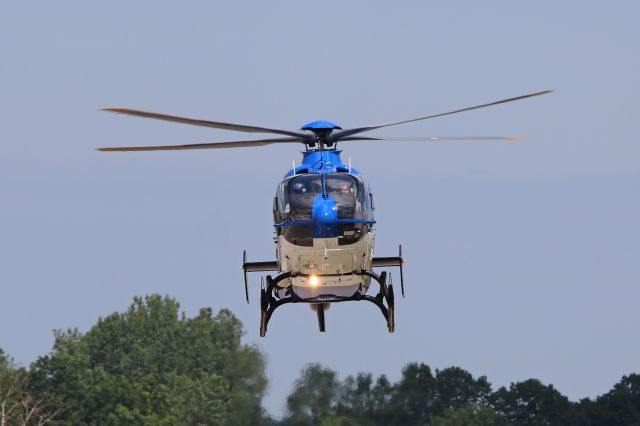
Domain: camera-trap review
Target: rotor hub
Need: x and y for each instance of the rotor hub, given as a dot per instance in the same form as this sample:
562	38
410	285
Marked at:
321	130
320	125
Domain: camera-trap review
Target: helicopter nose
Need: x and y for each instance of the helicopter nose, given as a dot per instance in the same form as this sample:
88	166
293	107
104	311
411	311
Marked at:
325	217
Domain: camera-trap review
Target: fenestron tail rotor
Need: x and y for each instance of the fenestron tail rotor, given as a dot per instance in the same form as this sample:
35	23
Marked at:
317	134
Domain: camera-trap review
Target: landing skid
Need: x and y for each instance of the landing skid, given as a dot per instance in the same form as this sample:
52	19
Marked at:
268	303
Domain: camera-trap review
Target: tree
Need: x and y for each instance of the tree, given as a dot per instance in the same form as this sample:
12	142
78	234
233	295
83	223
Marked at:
470	415
414	396
19	406
457	388
381	396
418	396
619	406
355	400
451	396
339	421
314	396
151	365
532	403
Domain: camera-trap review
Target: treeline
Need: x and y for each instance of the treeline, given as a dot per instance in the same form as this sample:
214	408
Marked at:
451	396
152	365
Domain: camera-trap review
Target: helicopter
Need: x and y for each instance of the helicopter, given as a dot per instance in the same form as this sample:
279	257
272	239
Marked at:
323	214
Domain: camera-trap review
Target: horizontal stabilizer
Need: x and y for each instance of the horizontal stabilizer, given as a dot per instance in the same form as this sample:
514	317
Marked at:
381	262
260	266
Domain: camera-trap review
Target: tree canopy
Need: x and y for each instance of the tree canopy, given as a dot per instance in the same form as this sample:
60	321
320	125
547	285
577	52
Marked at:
451	396
414	400
19	405
153	366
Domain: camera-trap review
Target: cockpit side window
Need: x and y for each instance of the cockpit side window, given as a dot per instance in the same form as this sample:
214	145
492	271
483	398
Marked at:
350	195
298	194
295	202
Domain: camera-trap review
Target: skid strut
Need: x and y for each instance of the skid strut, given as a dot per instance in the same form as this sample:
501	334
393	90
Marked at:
268	303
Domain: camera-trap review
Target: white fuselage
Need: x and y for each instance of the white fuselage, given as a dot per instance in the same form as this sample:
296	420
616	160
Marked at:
329	270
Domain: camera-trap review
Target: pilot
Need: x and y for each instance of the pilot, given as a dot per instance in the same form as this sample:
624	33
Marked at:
346	187
340	186
300	200
299	188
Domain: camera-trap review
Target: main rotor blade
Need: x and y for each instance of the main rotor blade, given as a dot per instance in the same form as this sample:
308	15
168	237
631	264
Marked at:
206	123
214	145
349	132
434	138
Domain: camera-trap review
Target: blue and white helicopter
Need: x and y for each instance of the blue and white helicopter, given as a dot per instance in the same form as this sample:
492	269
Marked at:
323	216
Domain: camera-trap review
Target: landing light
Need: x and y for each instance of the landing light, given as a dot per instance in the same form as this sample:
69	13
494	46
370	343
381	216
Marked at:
313	280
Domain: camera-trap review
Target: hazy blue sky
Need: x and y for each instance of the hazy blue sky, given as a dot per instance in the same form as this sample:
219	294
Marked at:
523	257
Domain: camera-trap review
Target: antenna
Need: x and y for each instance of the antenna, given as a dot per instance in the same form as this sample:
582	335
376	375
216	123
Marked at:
294	166
349	165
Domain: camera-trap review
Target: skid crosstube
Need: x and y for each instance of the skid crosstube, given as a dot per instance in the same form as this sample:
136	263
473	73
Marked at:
268	303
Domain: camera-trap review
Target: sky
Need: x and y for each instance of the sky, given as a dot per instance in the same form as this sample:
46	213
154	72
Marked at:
523	257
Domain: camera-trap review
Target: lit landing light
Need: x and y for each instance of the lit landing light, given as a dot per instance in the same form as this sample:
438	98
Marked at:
313	280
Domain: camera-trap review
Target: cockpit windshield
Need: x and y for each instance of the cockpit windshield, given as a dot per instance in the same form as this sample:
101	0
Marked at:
295	203
297	195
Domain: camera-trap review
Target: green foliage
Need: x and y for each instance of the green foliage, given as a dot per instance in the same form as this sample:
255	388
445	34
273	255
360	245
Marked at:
457	388
356	396
451	396
532	403
363	401
319	396
421	395
623	401
19	405
620	406
339	421
314	396
381	400
9	402
4	360
153	366
414	397
470	415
